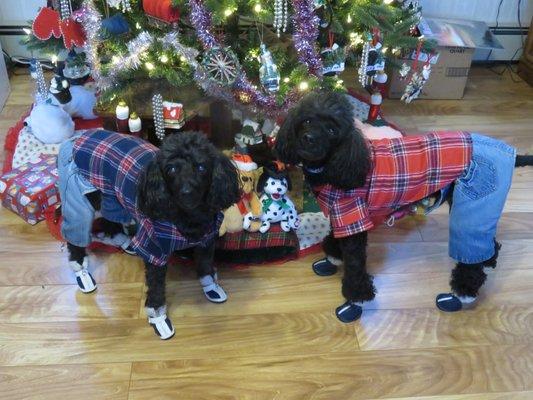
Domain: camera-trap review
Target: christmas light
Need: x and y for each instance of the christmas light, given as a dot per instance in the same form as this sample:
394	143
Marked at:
349	19
27	31
138	26
286	80
387	1
258	8
164	59
303	86
183	59
149	66
228	12
54	59
115	59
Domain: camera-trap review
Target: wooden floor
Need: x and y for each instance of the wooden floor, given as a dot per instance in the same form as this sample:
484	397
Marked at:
277	336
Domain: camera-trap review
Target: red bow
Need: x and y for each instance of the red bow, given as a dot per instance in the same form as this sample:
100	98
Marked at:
48	23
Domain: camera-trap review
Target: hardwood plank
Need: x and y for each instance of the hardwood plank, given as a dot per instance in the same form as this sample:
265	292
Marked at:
92	381
428	328
408	290
31	270
357	375
196	337
512	225
66	303
477	396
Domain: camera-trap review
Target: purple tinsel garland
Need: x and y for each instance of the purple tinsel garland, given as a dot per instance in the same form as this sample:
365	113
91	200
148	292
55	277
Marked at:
306	24
305	35
201	20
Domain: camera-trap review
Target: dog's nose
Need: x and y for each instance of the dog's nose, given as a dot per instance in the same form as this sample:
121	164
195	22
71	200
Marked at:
186	190
310	138
280	189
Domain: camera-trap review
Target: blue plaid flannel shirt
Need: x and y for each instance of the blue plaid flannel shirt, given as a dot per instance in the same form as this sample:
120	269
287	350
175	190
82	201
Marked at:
113	163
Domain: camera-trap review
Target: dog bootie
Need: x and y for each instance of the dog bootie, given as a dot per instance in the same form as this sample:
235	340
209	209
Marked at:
160	322
450	302
349	312
326	266
85	280
212	290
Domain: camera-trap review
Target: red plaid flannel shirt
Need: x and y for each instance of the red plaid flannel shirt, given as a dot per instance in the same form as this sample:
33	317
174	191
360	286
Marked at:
404	170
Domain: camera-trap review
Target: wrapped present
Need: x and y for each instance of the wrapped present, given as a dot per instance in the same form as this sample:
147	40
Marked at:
31	188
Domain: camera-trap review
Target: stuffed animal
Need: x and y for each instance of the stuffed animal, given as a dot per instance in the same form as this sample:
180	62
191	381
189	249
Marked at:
249	205
276	205
49	123
76	100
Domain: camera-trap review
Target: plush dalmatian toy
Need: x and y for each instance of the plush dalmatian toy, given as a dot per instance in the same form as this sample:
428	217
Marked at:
276	205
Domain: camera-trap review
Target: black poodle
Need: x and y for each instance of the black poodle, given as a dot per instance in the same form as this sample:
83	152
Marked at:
174	195
356	180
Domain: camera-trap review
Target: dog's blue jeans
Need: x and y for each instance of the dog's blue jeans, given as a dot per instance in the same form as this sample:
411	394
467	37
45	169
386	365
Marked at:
478	200
78	213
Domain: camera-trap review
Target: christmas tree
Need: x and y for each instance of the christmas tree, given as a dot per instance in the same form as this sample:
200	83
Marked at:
259	54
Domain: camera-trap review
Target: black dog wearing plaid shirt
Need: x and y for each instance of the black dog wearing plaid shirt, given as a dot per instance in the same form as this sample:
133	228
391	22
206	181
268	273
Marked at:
174	194
359	182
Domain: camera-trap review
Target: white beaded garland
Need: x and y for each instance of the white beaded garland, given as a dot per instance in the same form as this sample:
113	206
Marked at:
280	16
159	123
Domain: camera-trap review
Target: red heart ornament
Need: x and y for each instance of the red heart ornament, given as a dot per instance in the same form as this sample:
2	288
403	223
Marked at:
46	24
73	34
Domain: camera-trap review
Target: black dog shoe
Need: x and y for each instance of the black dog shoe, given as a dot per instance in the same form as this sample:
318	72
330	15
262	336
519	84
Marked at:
349	312
449	302
324	267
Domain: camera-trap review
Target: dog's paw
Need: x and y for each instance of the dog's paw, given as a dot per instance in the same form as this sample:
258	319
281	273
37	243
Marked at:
349	312
212	290
162	325
324	267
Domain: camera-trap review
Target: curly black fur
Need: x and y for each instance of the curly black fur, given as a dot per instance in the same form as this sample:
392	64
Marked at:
187	184
331	247
467	279
320	133
357	284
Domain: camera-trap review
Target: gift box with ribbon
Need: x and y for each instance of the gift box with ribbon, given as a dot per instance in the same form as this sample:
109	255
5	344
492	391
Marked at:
31	188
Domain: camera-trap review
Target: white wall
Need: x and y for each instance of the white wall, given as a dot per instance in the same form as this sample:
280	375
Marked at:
486	11
17	13
480	10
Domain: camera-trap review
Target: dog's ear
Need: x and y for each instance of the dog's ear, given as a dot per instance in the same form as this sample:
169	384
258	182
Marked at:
349	164
153	196
285	147
225	187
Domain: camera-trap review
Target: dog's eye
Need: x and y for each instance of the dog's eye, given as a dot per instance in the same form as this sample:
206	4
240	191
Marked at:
171	170
331	131
201	167
272	183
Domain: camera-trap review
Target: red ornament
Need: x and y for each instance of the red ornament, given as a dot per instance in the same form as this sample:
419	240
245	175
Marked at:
375	106
73	34
162	10
46	24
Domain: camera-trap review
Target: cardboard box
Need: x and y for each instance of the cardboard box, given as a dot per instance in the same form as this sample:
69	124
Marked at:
30	189
456	42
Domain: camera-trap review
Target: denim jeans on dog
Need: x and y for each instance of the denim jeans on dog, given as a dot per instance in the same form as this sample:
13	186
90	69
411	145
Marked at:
478	200
77	211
